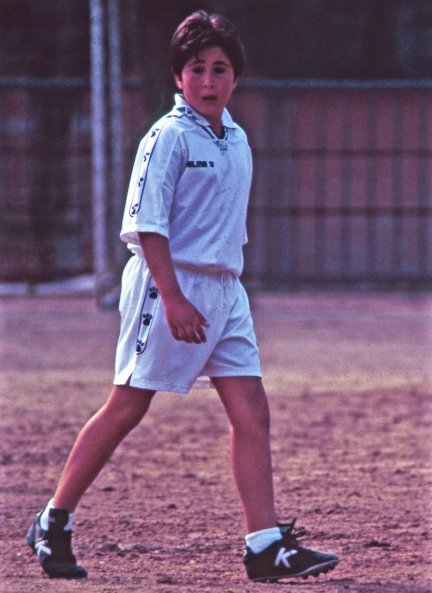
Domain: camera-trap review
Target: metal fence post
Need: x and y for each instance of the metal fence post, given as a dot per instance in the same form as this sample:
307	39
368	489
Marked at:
99	166
116	126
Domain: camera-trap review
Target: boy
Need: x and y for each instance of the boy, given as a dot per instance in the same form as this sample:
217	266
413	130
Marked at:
183	310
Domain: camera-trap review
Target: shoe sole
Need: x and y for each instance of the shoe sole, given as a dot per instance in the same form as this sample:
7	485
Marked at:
31	537
312	571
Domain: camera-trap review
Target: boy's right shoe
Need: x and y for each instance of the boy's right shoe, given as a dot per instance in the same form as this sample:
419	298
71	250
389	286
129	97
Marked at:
54	547
285	559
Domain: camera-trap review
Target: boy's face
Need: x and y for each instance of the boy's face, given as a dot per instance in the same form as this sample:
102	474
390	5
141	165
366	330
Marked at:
207	82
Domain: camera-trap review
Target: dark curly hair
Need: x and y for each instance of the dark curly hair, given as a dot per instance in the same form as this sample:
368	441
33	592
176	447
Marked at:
201	30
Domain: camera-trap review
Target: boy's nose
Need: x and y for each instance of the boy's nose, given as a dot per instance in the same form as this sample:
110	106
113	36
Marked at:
208	80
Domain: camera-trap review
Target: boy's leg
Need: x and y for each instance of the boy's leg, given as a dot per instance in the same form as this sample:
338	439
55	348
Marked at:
50	533
276	554
245	402
97	441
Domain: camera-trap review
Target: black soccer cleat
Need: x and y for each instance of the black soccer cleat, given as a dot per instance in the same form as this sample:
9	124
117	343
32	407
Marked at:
54	547
285	559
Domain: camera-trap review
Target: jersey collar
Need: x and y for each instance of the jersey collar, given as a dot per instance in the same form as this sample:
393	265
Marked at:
182	106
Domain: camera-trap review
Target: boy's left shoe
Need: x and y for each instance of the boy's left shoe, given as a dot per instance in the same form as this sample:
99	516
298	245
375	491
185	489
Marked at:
285	558
54	546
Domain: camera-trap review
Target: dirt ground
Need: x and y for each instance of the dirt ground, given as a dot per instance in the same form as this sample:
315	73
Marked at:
349	383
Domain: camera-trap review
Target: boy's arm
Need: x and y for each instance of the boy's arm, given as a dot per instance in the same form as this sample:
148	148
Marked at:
184	320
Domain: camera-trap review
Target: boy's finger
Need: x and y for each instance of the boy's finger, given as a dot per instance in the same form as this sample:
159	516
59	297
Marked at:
199	334
202	319
202	336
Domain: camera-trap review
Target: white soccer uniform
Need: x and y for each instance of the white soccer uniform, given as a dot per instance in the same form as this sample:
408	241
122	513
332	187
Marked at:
193	188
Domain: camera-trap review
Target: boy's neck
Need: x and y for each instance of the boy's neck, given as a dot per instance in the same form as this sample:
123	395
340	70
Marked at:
216	125
218	130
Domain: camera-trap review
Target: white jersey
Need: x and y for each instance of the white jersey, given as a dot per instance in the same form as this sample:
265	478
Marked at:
193	188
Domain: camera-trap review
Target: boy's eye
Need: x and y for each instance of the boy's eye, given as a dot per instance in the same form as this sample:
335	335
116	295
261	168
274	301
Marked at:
216	70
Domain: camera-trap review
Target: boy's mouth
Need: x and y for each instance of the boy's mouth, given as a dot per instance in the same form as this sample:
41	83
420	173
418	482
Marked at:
209	98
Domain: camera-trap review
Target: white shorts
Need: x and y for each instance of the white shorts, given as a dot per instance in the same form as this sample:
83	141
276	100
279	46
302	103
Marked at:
149	357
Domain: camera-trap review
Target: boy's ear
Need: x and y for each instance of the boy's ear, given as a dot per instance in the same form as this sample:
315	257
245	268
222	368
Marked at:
178	82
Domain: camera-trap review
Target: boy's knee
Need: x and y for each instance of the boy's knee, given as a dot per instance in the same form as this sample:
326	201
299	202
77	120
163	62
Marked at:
262	417
246	403
254	415
255	425
126	407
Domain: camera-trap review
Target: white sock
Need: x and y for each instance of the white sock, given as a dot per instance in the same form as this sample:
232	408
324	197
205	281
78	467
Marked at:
44	517
260	540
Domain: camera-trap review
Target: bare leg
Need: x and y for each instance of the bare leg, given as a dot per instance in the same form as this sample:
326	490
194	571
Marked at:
245	402
97	441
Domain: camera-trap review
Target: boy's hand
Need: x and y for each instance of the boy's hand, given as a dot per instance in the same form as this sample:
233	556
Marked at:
185	321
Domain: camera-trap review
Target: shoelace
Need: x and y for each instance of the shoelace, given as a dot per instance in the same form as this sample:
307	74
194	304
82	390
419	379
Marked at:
290	532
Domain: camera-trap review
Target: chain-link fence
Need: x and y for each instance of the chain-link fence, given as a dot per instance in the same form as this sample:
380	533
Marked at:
343	182
341	193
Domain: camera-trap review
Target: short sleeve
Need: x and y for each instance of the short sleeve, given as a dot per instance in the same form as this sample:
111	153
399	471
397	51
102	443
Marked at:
158	165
